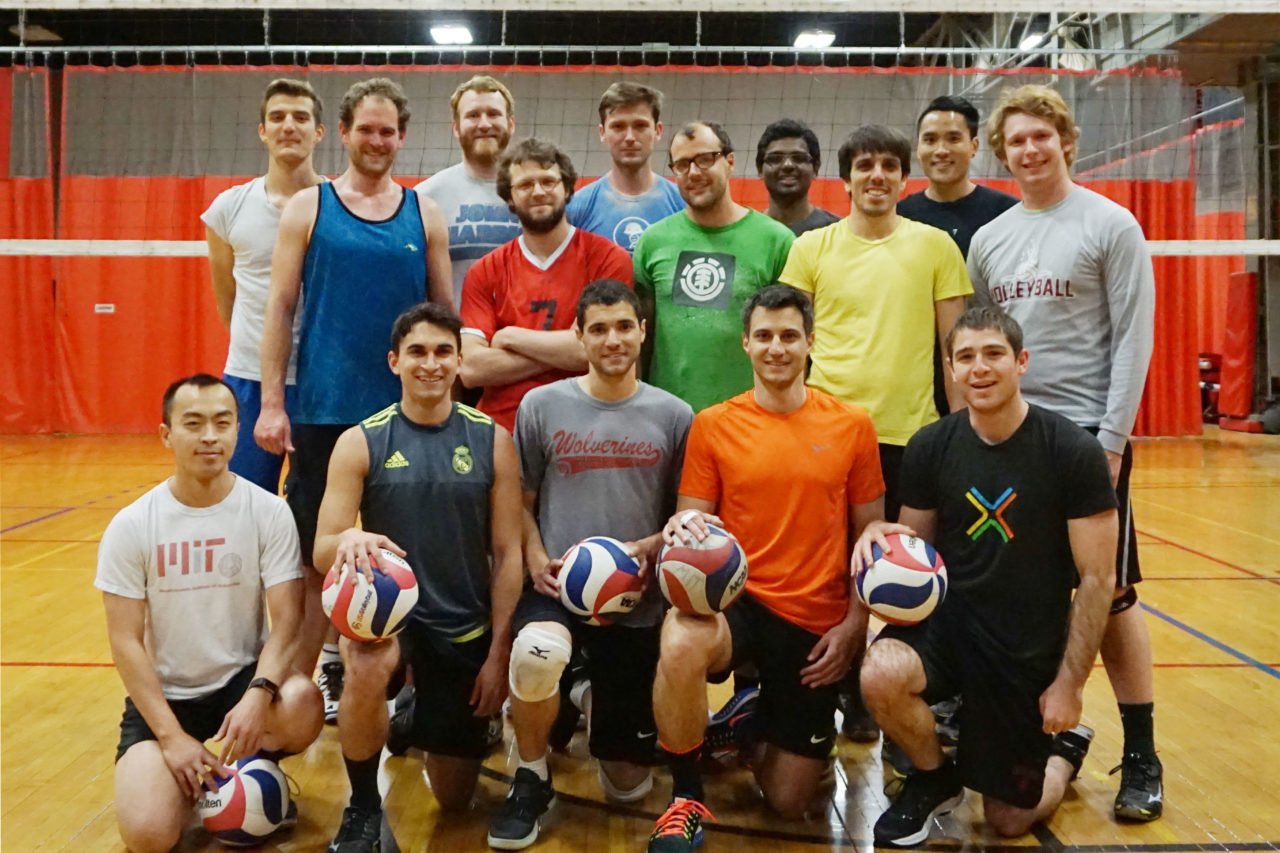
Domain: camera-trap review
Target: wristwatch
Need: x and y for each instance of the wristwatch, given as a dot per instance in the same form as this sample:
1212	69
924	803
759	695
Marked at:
266	684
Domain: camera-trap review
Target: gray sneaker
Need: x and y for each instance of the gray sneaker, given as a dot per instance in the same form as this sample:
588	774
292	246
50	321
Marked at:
516	824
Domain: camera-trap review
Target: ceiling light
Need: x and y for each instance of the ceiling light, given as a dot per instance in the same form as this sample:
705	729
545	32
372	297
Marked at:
34	33
1031	42
815	39
450	34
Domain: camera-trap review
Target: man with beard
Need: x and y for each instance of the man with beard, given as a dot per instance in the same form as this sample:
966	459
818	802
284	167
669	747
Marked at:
479	221
351	254
697	268
518	301
630	197
788	158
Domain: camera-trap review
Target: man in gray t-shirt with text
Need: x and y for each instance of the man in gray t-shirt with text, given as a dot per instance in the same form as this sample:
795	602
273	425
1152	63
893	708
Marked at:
600	455
1072	267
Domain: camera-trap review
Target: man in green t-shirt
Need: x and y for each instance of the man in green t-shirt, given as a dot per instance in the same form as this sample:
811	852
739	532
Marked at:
695	269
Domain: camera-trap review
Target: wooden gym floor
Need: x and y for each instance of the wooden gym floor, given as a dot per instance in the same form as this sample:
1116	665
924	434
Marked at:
1208	510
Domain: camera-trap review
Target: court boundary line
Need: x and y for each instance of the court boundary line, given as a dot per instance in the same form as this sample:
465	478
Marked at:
84	505
1160	540
1217	644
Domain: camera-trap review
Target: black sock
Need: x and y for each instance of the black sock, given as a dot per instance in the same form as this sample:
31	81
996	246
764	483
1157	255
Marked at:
1139	735
364	782
686	778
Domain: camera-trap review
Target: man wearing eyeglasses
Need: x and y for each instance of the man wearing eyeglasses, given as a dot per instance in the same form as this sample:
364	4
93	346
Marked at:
694	270
788	158
518	301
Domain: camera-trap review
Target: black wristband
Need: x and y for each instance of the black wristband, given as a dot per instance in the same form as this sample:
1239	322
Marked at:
266	684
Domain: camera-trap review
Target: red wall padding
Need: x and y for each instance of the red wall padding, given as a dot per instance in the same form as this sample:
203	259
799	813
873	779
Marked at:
1240	345
27	375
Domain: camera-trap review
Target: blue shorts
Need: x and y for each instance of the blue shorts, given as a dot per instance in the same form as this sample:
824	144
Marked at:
251	461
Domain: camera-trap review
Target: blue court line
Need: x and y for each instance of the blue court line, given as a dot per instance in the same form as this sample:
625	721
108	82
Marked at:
1217	644
41	518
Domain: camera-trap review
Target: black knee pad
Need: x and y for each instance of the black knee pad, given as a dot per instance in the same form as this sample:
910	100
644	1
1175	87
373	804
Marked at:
1124	602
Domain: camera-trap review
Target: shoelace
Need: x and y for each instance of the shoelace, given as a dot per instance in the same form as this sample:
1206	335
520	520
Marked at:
1143	764
676	818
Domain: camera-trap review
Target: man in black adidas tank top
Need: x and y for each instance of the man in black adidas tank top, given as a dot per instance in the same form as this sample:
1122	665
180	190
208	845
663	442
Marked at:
437	482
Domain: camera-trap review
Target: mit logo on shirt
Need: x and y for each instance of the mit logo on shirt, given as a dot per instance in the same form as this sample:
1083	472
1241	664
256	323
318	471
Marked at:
194	556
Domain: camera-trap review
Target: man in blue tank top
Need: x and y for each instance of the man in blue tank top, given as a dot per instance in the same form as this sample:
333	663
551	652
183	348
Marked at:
437	482
351	255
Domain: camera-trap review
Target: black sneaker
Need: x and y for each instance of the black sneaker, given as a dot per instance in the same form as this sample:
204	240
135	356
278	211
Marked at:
926	794
361	832
515	826
1141	794
729	729
1073	745
400	729
330	683
857	724
900	766
679	829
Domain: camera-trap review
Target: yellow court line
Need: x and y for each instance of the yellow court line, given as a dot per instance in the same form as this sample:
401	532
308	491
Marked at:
66	547
1241	530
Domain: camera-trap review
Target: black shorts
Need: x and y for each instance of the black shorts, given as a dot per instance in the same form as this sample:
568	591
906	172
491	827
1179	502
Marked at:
201	717
1003	747
622	663
890	465
308	471
1128	572
444	674
791	715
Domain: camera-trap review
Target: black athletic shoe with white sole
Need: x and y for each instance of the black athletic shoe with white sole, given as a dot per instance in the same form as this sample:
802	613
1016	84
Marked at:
1141	794
361	832
516	824
926	794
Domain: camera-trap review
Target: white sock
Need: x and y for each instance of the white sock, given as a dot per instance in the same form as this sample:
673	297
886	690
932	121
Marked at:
329	654
539	767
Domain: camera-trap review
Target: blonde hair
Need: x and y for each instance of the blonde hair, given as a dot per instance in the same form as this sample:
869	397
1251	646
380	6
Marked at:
482	83
1041	102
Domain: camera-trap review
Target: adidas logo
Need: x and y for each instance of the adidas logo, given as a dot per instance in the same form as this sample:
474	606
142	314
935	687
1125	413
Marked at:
397	460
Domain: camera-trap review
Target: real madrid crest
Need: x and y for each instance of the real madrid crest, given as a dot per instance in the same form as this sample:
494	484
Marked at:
462	461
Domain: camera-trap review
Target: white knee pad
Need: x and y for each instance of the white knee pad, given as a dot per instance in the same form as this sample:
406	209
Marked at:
538	657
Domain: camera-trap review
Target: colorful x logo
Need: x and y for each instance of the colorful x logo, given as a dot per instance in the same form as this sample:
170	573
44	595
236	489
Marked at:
992	513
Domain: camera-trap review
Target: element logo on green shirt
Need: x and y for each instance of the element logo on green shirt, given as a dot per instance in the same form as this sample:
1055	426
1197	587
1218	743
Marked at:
462	461
704	280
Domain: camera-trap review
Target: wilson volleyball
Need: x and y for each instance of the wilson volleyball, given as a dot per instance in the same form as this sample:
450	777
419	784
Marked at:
599	580
905	585
370	611
703	577
248	805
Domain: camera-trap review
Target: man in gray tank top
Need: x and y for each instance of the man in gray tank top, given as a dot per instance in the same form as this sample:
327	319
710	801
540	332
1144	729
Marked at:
600	455
438	483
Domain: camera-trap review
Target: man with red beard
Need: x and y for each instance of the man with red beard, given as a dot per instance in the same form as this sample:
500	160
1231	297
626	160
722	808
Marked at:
518	301
479	221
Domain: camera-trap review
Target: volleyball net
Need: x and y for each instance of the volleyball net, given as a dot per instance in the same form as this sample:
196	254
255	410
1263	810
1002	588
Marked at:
110	164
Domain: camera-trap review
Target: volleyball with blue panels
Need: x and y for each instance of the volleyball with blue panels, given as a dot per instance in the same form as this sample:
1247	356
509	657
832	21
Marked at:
599	580
370	611
703	577
247	806
902	586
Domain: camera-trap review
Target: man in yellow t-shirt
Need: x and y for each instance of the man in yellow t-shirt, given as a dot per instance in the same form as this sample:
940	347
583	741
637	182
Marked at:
882	287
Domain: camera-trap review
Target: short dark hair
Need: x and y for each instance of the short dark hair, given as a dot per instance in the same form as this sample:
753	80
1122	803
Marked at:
541	151
297	89
196	380
375	87
953	104
874	139
605	291
985	315
777	296
788	128
690	130
426	312
624	93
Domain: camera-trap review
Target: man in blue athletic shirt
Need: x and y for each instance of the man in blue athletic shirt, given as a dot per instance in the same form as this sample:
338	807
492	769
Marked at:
629	197
351	255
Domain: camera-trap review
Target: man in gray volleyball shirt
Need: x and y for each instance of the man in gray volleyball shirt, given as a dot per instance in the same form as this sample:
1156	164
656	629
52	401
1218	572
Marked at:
600	455
1072	267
